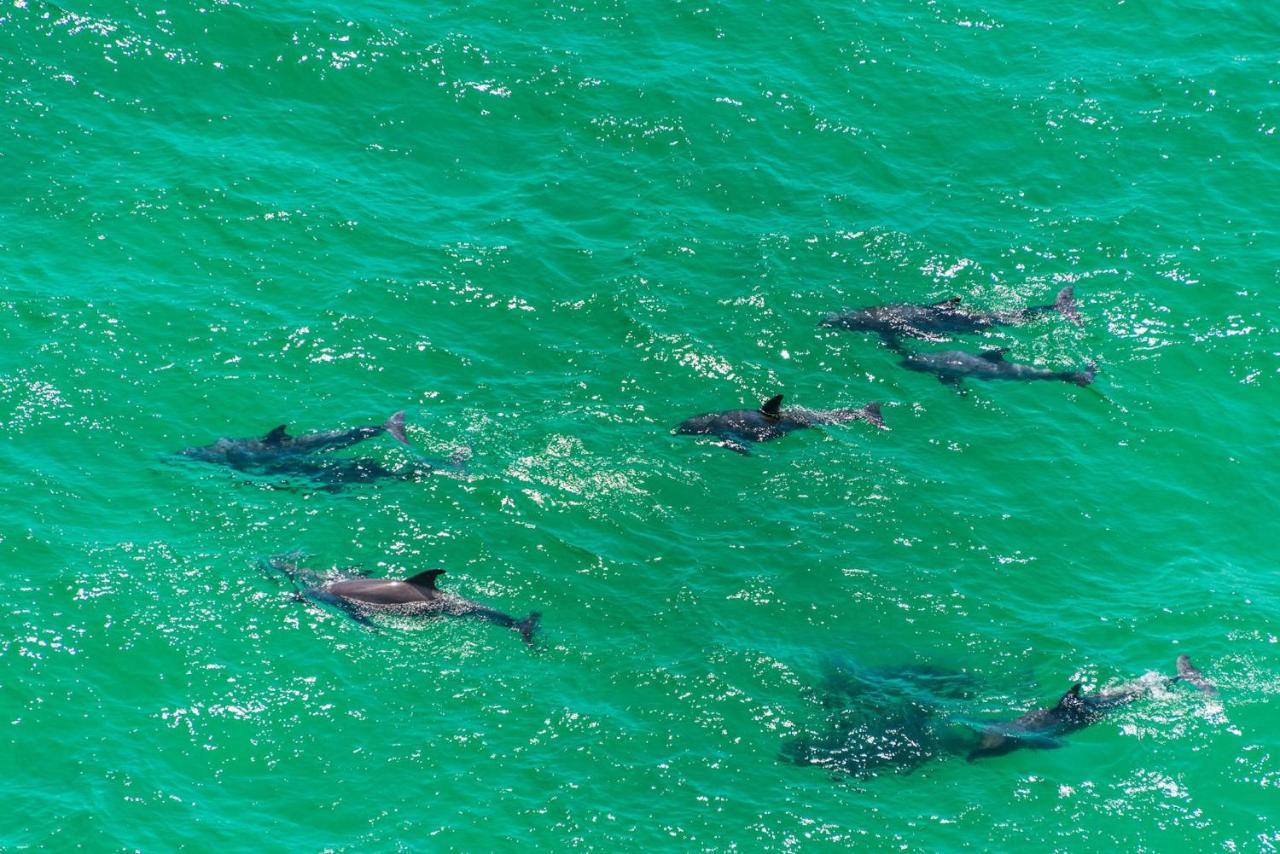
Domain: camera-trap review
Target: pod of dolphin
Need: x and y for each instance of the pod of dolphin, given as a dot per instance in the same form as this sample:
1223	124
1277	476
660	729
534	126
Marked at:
889	731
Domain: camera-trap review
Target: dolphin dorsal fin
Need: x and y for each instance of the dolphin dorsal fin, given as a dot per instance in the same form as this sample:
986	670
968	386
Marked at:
426	580
772	407
276	436
1072	695
949	302
996	355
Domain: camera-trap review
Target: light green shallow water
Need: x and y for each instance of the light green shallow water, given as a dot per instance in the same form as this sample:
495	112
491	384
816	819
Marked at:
551	231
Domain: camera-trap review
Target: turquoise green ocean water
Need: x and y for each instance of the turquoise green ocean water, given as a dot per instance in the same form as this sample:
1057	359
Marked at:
551	231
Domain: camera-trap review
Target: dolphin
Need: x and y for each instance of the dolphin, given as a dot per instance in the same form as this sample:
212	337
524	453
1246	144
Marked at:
334	474
1041	728
954	366
737	428
254	455
416	596
937	320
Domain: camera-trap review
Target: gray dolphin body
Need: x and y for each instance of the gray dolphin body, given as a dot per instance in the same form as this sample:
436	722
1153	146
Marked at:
416	596
337	473
738	428
954	366
260	455
1043	727
940	319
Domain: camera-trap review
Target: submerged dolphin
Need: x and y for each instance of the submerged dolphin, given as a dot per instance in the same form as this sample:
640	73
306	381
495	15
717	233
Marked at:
416	596
737	428
335	473
255	455
948	317
954	366
1041	728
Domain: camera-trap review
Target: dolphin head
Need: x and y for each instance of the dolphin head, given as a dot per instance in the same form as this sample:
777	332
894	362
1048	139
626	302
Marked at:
993	743
699	425
917	361
216	452
858	318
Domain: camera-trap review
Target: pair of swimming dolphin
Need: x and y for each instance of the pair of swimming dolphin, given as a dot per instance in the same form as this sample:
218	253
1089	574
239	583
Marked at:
937	321
360	597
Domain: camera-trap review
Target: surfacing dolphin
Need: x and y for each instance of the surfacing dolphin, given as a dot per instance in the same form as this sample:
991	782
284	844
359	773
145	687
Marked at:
940	319
256	455
417	596
1043	728
738	428
952	367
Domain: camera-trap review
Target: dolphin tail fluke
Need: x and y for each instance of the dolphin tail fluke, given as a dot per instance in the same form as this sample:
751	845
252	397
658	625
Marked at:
1192	675
1083	378
395	426
871	413
527	626
1065	304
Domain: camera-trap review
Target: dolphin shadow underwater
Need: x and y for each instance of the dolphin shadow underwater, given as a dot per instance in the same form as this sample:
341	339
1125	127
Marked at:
278	454
737	429
880	719
937	321
895	720
360	597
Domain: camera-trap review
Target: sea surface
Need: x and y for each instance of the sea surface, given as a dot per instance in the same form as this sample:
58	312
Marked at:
551	231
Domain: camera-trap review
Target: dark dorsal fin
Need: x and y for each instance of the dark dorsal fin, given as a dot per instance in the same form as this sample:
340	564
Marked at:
996	355
276	436
426	580
772	407
1073	693
950	302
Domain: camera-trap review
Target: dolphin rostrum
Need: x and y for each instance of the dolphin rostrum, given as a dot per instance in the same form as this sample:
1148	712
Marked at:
948	317
416	596
1041	728
954	366
737	428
